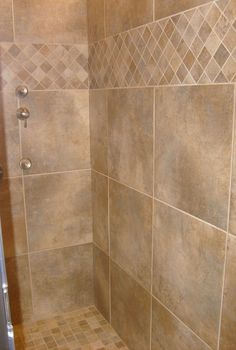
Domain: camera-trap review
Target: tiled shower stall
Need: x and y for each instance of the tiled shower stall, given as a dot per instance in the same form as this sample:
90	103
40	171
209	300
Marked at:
130	203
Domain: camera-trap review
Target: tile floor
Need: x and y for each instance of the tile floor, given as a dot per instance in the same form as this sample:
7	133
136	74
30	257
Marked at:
83	329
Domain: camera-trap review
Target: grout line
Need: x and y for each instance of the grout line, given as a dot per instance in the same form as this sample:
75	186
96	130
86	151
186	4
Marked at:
178	319
13	20
160	86
25	214
57	172
228	219
58	248
153	202
163	202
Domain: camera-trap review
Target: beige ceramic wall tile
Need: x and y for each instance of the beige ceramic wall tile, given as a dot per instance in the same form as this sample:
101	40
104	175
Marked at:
58	208
98	129
169	333
130	137
57	137
125	14
13	217
193	149
164	8
19	288
101	281
9	135
34	21
96	25
188	269
131	231
100	210
62	279
6	25
228	336
130	310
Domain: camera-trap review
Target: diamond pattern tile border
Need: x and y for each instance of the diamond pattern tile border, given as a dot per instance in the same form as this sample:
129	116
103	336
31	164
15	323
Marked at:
195	47
43	67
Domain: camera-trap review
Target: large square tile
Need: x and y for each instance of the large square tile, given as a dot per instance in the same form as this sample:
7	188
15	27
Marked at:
126	14
62	279
18	275
193	149
9	135
228	325
6	23
57	137
101	281
12	215
168	333
58	208
34	21
98	130
130	310
100	210
96	20
188	269
130	137
131	231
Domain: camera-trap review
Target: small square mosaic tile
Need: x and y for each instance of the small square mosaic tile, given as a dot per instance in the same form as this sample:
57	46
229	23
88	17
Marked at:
83	329
197	46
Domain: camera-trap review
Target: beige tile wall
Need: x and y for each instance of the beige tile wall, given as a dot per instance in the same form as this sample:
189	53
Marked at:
165	155
47	211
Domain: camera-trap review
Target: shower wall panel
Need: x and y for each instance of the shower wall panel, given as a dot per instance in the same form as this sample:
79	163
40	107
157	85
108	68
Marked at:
46	211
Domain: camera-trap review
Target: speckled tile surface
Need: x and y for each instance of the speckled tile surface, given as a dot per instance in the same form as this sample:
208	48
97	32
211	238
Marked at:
83	329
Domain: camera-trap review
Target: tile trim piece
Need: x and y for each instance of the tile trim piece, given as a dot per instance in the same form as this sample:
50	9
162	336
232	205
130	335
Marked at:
193	47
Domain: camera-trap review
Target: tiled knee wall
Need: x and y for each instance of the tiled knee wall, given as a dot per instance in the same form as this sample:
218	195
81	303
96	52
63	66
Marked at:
162	105
46	211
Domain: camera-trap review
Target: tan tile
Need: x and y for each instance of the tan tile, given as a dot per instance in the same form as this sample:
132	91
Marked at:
34	22
62	279
96	25
101	281
164	8
130	310
66	196
130	137
98	129
188	269
6	25
228	336
60	120
131	231
169	333
13	217
19	288
127	14
195	161
9	135
100	210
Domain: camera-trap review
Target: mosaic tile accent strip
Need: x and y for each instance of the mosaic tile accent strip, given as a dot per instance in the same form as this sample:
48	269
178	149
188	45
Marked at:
195	47
43	67
84	329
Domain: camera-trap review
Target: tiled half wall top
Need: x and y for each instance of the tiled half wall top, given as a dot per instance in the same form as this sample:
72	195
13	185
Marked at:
197	46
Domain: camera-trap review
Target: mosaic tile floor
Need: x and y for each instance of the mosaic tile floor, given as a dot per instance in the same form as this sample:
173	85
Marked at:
84	329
